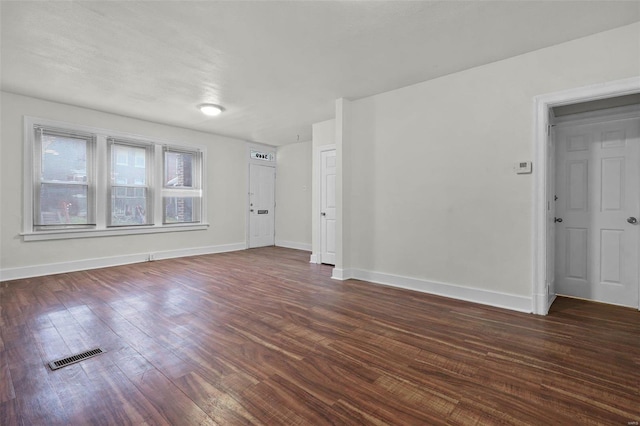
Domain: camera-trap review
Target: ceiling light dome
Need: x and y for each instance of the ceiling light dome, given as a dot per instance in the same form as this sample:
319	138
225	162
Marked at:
210	109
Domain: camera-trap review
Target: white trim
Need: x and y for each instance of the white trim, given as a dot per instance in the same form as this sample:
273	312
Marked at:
628	112
341	274
28	176
103	186
262	147
104	262
541	301
313	259
317	161
454	291
110	232
30	120
293	245
552	298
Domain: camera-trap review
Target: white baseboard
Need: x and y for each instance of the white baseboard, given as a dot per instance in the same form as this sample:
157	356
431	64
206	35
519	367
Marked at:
551	299
313	258
542	303
293	245
103	262
501	300
341	274
454	291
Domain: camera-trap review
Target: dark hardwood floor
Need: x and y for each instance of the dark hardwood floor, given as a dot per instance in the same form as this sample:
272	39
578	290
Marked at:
263	337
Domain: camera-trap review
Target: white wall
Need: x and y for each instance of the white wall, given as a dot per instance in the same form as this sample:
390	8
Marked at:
293	196
434	203
226	190
323	133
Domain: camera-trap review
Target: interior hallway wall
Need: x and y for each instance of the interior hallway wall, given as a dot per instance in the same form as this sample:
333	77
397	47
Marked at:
434	201
293	196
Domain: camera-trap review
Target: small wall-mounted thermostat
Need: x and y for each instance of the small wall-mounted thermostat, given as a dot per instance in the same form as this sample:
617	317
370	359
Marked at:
523	167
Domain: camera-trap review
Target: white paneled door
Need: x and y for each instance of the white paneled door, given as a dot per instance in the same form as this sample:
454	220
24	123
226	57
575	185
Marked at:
597	211
261	205
328	207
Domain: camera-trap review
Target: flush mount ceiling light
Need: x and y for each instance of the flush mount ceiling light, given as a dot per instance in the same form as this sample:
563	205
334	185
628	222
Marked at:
210	109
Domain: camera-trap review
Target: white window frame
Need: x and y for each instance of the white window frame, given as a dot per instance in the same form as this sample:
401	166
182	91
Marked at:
194	191
114	143
102	183
38	182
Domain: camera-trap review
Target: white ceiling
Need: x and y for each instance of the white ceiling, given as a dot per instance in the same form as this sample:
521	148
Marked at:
277	67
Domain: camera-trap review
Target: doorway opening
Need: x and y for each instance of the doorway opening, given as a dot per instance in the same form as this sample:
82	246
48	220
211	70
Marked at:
596	202
548	108
324	223
261	205
328	207
261	196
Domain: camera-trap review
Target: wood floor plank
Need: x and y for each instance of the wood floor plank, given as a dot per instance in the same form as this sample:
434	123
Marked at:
222	406
277	401
263	337
7	392
115	378
168	399
36	400
9	414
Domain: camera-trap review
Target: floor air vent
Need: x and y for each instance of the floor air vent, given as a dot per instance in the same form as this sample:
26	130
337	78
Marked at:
74	358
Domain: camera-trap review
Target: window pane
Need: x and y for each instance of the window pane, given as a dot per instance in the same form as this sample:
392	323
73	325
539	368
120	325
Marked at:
62	205
122	156
139	159
181	209
128	206
64	159
125	172
178	169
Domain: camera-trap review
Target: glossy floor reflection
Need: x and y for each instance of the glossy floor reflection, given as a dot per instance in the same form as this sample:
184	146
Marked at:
263	337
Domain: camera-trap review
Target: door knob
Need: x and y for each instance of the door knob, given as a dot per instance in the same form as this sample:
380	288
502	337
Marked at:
632	220
323	214
557	219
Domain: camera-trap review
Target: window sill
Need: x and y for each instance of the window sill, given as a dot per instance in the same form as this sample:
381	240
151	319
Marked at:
65	234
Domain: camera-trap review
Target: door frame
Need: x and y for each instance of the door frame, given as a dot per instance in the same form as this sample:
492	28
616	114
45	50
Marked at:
316	256
540	297
263	148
